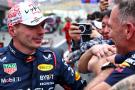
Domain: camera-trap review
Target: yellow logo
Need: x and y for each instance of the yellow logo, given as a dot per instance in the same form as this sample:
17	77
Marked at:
45	67
124	64
77	76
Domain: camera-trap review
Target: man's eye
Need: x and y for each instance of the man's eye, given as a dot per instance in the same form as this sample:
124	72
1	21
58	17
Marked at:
103	25
43	25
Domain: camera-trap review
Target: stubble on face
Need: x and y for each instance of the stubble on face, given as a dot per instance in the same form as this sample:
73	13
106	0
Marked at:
113	23
116	32
24	38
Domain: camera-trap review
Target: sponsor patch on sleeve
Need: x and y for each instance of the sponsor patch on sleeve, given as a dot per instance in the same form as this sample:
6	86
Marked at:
77	76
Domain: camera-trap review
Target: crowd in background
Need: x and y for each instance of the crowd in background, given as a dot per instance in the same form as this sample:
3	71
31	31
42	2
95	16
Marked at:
107	53
99	51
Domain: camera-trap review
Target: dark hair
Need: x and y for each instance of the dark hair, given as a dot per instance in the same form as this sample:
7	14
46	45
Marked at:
95	15
106	13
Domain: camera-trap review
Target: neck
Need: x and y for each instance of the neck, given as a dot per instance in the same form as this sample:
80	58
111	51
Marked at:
24	49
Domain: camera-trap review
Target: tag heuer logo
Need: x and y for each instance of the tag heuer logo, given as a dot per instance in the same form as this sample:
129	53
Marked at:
10	68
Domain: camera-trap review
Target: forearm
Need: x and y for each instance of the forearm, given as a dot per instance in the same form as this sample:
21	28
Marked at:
83	61
93	65
100	78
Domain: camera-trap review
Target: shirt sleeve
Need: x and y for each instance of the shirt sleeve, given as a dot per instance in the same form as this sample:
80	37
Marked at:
67	75
71	77
99	40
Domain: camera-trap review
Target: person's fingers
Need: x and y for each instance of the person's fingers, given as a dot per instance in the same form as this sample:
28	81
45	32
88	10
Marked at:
109	53
96	50
73	27
105	49
75	31
98	55
111	58
108	50
112	49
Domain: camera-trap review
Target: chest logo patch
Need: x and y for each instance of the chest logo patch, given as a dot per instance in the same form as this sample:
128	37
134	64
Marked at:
3	59
45	67
10	68
47	57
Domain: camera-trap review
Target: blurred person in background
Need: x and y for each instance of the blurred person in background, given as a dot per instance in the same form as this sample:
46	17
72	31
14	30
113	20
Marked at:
93	64
96	15
59	25
98	39
103	5
74	33
66	30
105	30
24	64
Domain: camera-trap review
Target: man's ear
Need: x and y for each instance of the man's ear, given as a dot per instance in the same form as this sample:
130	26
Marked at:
12	31
130	30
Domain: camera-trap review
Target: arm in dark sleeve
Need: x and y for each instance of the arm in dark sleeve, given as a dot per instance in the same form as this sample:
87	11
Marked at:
71	77
67	75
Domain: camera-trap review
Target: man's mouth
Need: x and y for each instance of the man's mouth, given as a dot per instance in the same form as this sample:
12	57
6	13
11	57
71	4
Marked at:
38	40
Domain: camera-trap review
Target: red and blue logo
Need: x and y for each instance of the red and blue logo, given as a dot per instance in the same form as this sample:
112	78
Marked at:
90	1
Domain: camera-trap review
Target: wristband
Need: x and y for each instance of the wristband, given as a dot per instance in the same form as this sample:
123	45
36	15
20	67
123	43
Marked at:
107	65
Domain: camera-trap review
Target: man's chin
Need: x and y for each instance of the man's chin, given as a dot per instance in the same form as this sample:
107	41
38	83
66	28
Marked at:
37	46
120	52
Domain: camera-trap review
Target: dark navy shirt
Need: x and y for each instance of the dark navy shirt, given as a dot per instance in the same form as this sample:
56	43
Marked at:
40	71
125	69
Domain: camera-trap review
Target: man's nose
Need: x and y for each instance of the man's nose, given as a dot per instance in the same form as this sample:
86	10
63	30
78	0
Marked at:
106	30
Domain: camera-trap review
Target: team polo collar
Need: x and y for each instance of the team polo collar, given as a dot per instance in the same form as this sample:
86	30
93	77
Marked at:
120	58
19	54
130	54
